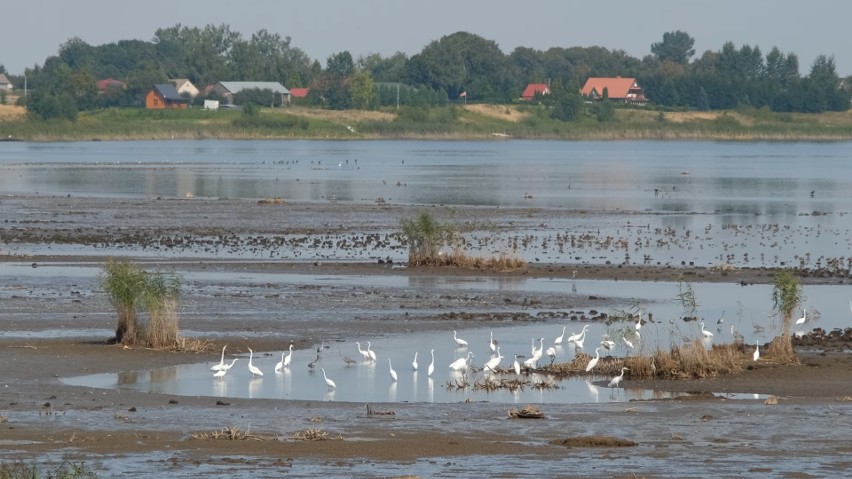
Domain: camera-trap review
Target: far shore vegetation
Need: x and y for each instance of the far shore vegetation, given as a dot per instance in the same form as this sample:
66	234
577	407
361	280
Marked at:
448	122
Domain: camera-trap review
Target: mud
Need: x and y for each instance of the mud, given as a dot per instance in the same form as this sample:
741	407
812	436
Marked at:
145	435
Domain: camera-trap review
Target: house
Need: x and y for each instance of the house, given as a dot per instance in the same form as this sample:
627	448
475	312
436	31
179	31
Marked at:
618	89
108	83
227	89
5	84
535	88
185	87
165	96
299	92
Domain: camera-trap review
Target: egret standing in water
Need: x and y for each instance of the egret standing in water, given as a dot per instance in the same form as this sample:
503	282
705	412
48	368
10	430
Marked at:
594	360
491	344
431	365
414	363
616	380
517	366
289	357
220	374
218	367
251	367
461	363
459	341
370	352
558	340
551	353
803	318
392	372
492	363
280	364
364	354
756	354
329	382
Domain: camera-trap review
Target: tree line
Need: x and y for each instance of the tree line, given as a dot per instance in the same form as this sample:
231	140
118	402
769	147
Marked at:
671	74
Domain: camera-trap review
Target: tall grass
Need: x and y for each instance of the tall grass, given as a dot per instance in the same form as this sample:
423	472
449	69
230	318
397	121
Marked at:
132	290
66	470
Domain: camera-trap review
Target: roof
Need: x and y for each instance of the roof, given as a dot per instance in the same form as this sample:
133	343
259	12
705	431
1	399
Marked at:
533	88
299	92
616	87
179	82
238	86
4	79
168	92
108	82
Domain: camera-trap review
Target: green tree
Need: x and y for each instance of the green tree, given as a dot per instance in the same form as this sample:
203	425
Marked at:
567	102
362	91
676	46
786	297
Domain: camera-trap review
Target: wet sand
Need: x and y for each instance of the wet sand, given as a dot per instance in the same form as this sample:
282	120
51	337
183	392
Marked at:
47	420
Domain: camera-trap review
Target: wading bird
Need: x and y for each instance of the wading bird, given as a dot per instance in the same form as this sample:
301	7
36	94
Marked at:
575	337
616	380
608	344
491	344
220	373
461	363
431	368
594	360
578	341
492	363
707	334
251	367
370	352
218	367
314	362
459	341
289	357
414	363
364	354
329	382
346	359
738	338
803	318
392	372
756	354
517	366
558	340
551	353
280	364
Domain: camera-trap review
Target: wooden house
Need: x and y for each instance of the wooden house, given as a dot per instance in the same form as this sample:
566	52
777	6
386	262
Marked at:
165	96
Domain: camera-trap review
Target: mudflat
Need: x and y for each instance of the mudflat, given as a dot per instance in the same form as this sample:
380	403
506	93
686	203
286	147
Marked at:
146	435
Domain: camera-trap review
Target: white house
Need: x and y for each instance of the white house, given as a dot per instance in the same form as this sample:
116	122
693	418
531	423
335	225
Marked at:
184	86
5	84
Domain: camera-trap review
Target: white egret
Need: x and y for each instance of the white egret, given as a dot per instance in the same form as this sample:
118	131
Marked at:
551	353
639	321
392	372
251	367
578	341
707	334
608	344
594	360
616	380
280	364
220	373
414	363
803	318
321	347
431	365
459	341
574	337
370	352
517	366
289	357
460	364
229	366
738	338
756	355
532	343
491	344
627	342
329	382
850	305
558	340
218	367
492	363
364	354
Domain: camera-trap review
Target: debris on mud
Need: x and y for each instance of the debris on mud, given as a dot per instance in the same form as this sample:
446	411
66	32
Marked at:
593	441
527	412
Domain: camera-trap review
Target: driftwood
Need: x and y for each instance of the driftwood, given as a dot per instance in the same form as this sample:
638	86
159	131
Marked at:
373	412
527	412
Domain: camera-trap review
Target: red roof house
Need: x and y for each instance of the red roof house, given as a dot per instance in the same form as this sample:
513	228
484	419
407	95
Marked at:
299	92
533	88
620	89
107	83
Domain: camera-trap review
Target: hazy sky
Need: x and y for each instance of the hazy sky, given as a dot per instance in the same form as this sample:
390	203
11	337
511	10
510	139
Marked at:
34	29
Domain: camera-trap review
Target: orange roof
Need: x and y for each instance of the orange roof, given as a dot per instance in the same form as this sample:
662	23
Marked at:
533	88
616	87
110	82
299	92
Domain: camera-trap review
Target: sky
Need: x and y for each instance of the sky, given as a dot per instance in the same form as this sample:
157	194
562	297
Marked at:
33	30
